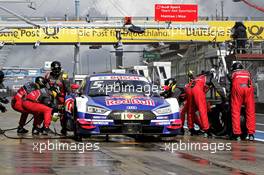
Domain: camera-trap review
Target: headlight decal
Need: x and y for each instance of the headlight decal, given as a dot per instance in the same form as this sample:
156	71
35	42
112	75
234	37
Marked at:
81	104
96	110
163	111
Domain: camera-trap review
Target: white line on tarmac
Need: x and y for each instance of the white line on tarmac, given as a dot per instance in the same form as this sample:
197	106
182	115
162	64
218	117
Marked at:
261	124
260	140
259	131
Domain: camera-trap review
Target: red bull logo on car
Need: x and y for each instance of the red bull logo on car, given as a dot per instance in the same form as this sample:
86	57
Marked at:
145	102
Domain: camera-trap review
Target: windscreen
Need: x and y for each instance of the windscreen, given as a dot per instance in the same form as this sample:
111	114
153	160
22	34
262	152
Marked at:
110	86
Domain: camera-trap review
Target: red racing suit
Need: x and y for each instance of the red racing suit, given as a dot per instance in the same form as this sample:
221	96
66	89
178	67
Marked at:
38	101
195	119
17	101
242	93
197	97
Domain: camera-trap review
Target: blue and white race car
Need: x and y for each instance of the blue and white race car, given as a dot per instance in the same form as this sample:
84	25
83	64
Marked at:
121	104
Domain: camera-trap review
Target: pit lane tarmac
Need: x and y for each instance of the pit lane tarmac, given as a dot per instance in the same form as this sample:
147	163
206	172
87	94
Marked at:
125	155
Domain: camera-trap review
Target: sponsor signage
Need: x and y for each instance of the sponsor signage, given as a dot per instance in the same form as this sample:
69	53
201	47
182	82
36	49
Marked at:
151	56
145	102
176	12
201	31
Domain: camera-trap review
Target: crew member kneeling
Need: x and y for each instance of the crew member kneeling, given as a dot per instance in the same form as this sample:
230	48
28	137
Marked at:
39	101
16	104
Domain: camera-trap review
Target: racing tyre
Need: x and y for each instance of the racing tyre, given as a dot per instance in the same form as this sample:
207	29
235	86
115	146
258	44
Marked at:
218	119
221	121
243	124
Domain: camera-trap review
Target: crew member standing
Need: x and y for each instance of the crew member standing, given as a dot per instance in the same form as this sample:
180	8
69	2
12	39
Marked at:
197	98
59	79
242	93
239	34
184	110
69	99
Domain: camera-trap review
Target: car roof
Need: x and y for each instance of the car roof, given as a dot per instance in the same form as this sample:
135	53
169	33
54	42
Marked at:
113	74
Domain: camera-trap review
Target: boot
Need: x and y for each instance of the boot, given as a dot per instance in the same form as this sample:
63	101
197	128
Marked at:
251	137
36	130
207	134
237	137
64	131
21	130
195	132
47	131
182	131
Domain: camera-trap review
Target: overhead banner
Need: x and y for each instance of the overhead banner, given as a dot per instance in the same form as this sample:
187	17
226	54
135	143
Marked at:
176	12
202	31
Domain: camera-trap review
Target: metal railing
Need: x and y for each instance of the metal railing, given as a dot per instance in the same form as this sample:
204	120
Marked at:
243	46
106	18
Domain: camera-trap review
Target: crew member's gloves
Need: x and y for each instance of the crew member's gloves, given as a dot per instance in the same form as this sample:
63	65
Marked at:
4	100
55	114
55	89
55	117
54	94
2	109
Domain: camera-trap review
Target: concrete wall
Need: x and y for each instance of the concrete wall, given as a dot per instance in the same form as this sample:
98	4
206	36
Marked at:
260	91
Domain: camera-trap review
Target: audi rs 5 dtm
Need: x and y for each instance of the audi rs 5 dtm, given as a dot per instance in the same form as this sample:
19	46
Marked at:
121	104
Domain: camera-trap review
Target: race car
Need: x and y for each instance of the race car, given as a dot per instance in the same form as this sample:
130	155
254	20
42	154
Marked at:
121	104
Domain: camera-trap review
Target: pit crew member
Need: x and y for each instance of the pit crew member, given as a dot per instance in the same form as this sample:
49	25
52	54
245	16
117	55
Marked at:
40	101
16	104
58	79
242	93
197	98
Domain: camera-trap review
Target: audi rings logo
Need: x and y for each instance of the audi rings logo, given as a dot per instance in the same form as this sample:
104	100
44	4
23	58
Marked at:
131	108
51	32
255	32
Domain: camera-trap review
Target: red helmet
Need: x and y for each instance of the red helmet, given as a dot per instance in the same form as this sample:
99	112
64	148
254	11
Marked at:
75	86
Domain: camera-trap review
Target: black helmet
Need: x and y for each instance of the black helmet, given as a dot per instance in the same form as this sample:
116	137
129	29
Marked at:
170	81
2	75
237	66
190	74
42	82
56	67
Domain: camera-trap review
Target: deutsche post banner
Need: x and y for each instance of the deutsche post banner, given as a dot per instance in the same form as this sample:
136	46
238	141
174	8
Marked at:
202	31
